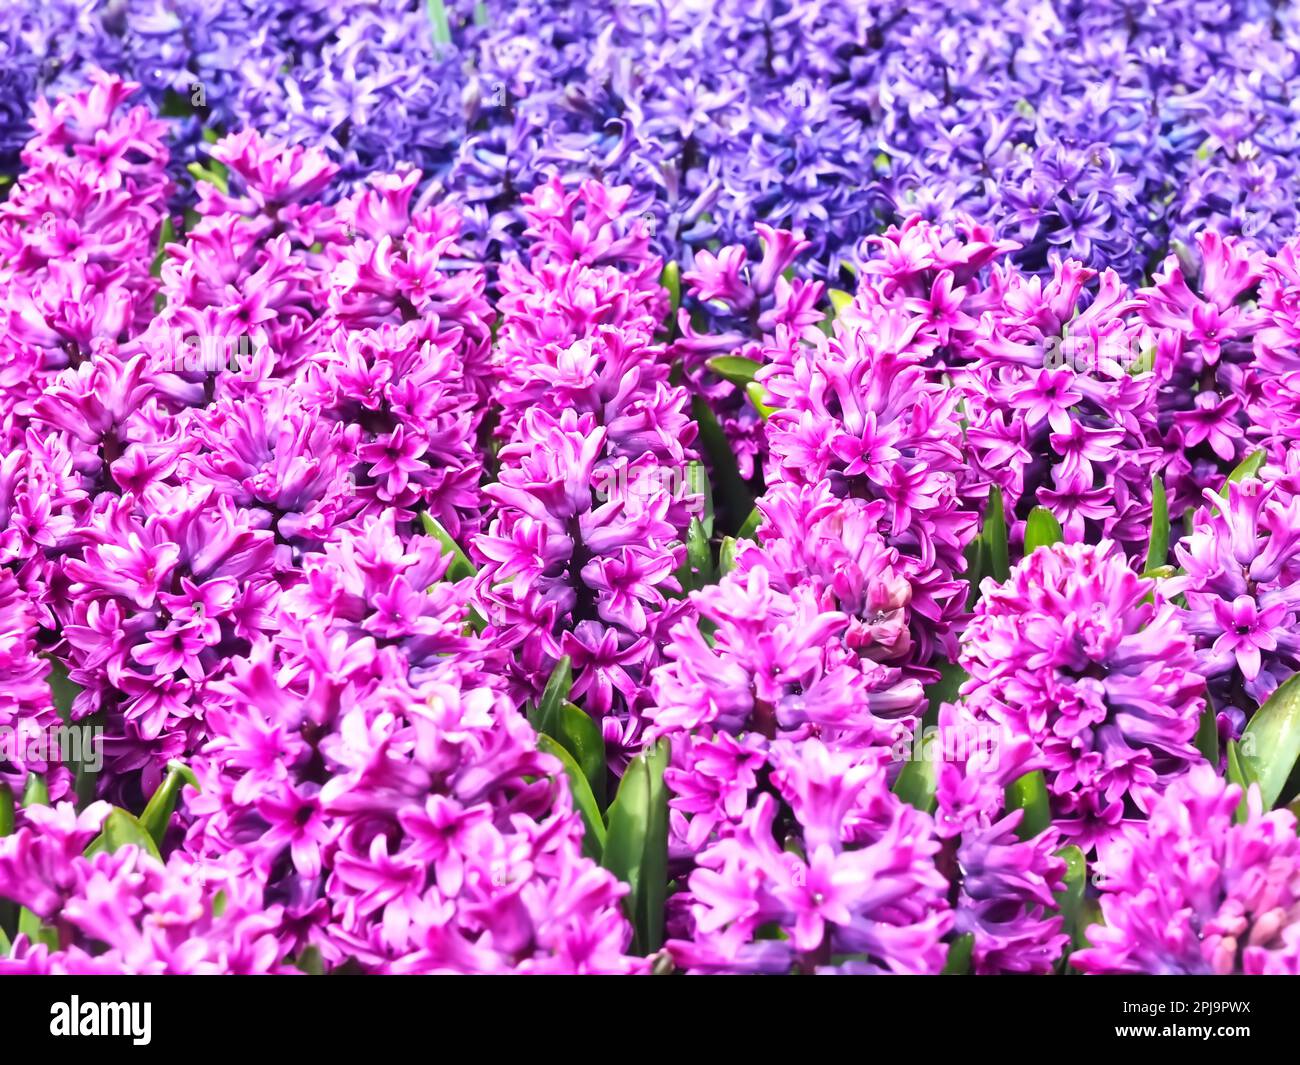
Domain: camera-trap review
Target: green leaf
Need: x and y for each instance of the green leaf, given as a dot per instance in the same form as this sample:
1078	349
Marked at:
995	536
977	568
729	486
944	690
760	399
216	175
699	556
6	809
629	825
917	782
959	955
726	555
460	567
1071	898
556	693
697	482
1291	791
62	693
62	690
1144	363
1041	530
84	784
579	734
839	300
122	829
162	804
593	840
988	554
1239	774
35	791
36	930
1270	746
176	105
1158	544
441	24
671	279
636	845
749	528
1246	468
654	874
1207	733
166	235
733	368
1029	793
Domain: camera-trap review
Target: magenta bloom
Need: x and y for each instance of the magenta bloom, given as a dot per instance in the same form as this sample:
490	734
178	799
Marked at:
782	689
861	894
364	764
1272	383
564	567
1070	653
751	310
1191	891
835	546
125	912
1241	584
312	472
591	502
861	411
1205	326
775	661
26	710
1004	887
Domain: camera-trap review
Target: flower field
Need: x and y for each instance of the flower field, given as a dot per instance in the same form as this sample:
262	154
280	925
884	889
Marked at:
649	487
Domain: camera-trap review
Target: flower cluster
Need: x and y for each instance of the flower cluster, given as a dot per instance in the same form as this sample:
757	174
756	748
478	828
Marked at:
592	499
780	729
1073	653
862	412
642	485
27	712
366	769
125	911
1197	890
1006	875
857	880
1100	131
1240	580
